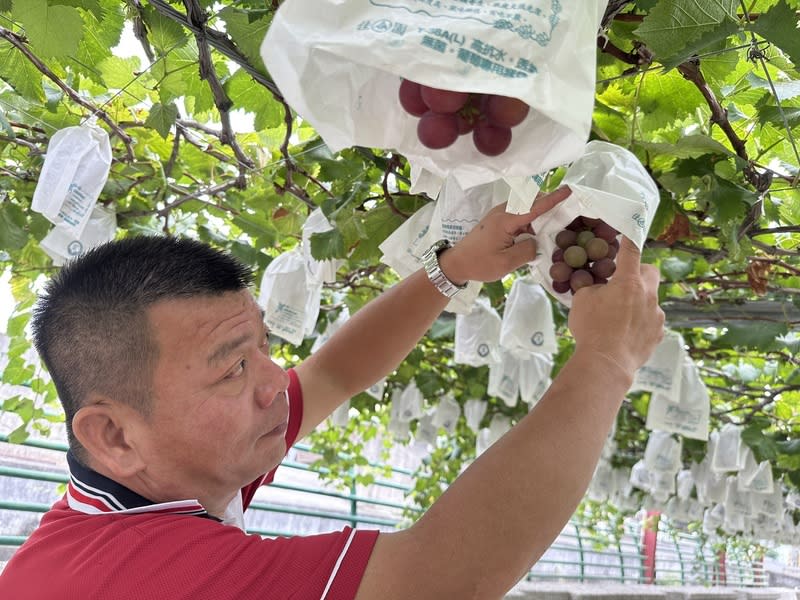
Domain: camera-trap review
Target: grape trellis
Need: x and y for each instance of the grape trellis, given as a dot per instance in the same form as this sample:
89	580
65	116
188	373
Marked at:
709	102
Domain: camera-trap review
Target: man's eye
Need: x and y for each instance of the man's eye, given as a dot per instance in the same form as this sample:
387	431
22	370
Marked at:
238	370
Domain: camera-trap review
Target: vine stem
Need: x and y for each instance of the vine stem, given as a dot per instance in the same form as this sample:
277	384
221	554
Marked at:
20	43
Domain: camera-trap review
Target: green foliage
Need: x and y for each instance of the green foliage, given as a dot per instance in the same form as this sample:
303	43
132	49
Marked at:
672	24
779	26
722	149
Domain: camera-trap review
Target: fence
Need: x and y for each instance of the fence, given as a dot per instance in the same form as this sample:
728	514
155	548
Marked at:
299	503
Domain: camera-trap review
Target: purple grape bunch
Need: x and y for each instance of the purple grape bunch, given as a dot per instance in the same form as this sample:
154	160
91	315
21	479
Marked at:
584	256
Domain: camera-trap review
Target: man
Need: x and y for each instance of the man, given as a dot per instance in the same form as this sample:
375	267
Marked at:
175	410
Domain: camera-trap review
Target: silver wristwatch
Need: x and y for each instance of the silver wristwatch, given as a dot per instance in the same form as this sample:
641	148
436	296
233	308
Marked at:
430	260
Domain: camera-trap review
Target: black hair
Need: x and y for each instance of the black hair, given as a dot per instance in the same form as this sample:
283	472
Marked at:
90	326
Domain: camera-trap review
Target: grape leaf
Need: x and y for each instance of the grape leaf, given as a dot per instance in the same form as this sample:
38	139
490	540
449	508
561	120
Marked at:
19	73
709	40
12	236
779	26
92	6
54	31
683	95
763	447
19	435
102	33
5	126
329	244
672	24
690	146
118	72
443	329
772	114
164	33
162	118
789	446
729	200
246	93
5	5
761	337
785	90
248	32
675	269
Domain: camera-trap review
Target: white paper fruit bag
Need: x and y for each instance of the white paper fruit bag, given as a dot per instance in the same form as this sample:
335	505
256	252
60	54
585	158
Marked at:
609	183
477	338
689	416
528	325
404	248
290	301
318	270
74	173
61	245
662	373
340	64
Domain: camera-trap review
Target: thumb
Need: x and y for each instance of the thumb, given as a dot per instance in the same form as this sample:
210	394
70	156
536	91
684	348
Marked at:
629	259
523	251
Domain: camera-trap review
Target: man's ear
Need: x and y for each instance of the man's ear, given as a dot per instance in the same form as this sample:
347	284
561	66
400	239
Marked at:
106	429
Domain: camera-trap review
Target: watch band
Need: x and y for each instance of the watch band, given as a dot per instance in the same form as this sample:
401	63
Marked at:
430	260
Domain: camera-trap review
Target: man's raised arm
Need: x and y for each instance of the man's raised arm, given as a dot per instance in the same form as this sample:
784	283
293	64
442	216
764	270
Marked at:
379	336
503	512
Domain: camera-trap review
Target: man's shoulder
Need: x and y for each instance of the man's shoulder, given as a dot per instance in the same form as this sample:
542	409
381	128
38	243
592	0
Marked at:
100	545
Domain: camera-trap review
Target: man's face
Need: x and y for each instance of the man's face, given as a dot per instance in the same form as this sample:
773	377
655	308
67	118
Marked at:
219	404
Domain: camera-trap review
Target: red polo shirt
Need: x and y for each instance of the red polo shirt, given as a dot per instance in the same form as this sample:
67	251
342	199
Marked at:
103	541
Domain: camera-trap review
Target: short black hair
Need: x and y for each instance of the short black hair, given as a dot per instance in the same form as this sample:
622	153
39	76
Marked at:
90	325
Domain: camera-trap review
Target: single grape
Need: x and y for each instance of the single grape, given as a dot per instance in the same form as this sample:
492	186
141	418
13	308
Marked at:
604	268
584	237
566	238
436	130
596	248
561	287
605	231
443	101
580	279
557	256
599	280
575	257
490	140
411	98
612	251
502	111
560	271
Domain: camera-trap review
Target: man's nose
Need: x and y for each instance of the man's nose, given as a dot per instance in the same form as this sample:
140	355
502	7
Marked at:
273	380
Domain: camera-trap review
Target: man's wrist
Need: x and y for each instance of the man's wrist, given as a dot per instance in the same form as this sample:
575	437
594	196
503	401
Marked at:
607	367
448	263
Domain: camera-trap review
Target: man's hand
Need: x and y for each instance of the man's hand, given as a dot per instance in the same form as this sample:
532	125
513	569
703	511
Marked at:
620	320
488	252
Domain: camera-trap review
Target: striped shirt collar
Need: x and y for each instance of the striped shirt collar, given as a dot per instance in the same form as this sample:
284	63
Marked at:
92	493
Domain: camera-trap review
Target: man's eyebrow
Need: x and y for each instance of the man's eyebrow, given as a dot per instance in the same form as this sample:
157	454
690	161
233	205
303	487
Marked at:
227	348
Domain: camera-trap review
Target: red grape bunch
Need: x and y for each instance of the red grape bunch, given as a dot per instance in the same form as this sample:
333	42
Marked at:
444	115
584	256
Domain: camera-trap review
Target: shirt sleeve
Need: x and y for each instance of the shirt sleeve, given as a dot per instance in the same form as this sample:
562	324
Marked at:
295	396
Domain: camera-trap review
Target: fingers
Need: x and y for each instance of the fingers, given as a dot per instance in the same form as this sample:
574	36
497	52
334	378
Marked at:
651	276
541	205
523	251
628	260
549	201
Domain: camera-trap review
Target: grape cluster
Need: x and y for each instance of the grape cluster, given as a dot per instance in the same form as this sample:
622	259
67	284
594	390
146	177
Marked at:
444	115
584	256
